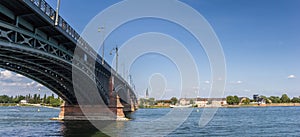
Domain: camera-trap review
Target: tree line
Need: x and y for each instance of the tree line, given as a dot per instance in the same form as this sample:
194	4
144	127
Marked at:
32	99
234	100
144	103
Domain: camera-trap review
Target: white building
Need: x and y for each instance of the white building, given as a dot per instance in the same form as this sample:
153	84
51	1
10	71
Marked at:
23	102
202	102
184	101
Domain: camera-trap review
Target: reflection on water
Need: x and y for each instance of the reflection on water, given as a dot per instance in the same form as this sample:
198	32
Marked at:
80	129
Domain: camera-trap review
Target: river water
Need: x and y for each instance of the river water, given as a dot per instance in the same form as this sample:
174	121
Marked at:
252	121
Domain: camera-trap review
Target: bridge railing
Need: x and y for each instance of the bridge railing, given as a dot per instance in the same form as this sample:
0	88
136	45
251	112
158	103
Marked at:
63	25
50	12
45	7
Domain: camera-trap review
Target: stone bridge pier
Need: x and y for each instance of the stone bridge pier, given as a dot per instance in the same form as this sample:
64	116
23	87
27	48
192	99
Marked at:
115	110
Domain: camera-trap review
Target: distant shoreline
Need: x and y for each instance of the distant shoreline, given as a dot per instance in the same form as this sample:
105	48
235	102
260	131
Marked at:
238	106
156	107
25	105
268	105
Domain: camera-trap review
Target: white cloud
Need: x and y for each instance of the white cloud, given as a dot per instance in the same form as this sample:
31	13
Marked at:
247	90
5	74
30	84
8	78
239	82
39	85
207	82
291	77
236	82
12	84
20	76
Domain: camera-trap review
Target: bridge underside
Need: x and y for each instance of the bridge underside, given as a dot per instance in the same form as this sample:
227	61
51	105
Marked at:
31	45
40	68
56	74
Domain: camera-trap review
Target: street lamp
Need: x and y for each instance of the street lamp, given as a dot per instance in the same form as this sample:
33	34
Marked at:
101	29
57	13
117	55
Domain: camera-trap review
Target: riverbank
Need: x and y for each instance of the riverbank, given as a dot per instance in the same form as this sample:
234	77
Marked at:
266	105
235	106
7	104
26	105
154	107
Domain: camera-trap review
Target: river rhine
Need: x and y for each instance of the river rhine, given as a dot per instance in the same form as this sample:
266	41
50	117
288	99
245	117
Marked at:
252	121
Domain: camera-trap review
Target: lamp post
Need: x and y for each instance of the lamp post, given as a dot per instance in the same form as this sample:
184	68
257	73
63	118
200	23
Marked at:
117	55
101	29
57	13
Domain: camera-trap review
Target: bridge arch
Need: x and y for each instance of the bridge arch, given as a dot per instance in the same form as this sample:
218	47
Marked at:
39	68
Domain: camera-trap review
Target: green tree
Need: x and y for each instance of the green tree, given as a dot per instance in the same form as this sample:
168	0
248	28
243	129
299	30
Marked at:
4	99
275	99
48	100
285	99
38	99
17	99
34	98
55	102
45	99
236	100
246	101
230	100
174	100
295	100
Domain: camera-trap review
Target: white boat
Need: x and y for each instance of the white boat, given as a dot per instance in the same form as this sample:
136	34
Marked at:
180	106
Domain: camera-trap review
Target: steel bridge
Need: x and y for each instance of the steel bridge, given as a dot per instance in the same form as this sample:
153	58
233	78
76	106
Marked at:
32	45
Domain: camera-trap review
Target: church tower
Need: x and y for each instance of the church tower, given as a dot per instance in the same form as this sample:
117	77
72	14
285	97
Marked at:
147	94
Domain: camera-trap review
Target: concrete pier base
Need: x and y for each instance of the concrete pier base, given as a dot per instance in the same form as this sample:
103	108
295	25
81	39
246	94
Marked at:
113	111
92	112
86	112
74	113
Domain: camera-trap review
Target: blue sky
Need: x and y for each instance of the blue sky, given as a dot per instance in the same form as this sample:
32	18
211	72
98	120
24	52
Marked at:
260	39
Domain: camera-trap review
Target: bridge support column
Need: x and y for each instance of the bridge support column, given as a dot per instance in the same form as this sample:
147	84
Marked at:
118	109
115	104
129	107
114	111
71	112
91	112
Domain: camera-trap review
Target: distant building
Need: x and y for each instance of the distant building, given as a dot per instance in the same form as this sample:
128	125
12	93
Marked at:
261	101
23	102
218	101
258	100
202	102
255	97
147	94
184	101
